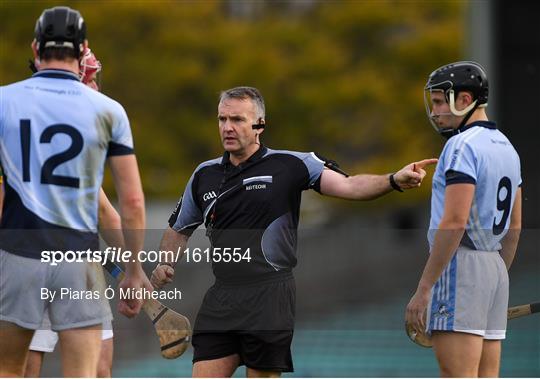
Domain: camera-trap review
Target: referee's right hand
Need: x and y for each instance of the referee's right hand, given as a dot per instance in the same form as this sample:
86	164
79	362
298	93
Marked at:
162	275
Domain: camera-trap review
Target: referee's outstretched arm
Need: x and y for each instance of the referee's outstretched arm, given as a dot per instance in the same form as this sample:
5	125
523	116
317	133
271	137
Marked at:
369	187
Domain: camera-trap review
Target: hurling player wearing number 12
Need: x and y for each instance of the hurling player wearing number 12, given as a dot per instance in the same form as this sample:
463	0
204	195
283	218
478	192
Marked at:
53	147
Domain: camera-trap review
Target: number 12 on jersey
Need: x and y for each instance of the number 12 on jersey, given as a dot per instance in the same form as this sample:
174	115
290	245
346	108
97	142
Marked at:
47	176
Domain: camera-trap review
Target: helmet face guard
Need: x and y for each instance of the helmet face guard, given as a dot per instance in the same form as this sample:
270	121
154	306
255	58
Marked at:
88	66
60	27
449	96
428	91
452	79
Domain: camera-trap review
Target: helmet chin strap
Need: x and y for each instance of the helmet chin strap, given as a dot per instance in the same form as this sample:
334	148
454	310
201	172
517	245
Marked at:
453	109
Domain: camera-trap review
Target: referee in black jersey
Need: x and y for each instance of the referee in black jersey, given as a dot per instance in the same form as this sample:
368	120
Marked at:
249	201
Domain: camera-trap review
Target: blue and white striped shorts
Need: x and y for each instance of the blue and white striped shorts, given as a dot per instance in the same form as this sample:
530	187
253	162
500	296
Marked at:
471	296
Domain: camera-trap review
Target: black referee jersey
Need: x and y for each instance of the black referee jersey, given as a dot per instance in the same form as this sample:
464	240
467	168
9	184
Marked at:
254	206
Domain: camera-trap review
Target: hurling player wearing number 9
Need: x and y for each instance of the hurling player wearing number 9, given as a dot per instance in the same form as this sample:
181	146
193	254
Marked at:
55	135
474	228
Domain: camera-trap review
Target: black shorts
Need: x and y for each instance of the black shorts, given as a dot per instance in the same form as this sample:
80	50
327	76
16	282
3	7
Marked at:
254	321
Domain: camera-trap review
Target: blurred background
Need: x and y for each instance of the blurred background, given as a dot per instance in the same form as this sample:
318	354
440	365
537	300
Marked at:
345	79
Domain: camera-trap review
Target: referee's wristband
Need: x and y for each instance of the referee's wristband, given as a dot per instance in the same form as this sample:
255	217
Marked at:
393	183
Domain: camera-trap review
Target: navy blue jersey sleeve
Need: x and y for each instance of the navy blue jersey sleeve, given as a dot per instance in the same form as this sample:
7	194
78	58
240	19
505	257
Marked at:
121	142
456	177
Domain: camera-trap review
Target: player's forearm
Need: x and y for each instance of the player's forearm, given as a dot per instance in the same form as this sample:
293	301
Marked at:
109	222
128	186
133	224
510	241
111	232
509	246
132	211
446	242
173	241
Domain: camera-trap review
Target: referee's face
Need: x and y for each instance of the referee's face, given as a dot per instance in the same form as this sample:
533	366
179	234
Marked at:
236	117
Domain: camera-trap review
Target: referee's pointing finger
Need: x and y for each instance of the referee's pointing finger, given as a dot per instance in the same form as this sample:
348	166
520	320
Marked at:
425	162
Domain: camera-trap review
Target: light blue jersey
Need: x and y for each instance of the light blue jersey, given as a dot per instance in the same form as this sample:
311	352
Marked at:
55	134
483	156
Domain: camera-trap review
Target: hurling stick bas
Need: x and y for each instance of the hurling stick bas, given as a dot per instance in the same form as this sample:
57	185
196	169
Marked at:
173	329
523	310
424	340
